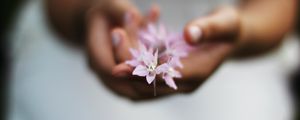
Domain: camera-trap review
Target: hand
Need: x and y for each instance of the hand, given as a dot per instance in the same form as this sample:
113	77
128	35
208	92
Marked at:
214	37
104	19
108	45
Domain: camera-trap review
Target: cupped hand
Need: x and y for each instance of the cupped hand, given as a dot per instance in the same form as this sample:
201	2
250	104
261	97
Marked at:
112	32
214	38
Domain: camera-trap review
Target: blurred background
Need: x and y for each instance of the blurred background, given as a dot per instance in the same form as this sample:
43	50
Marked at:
283	61
8	12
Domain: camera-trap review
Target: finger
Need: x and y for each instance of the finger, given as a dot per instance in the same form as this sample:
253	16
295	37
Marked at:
121	44
131	28
154	13
122	70
120	86
125	12
224	24
99	44
201	63
132	23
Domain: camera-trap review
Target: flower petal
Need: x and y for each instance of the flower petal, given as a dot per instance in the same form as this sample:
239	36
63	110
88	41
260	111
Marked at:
150	77
152	29
176	74
175	62
142	47
133	63
170	82
140	71
148	58
162	68
134	53
162	29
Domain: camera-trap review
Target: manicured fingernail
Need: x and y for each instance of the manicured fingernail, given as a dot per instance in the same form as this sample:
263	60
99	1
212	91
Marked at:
116	38
195	33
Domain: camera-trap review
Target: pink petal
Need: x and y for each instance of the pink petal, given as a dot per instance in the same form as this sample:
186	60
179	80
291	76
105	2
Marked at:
150	78
181	53
176	74
148	58
152	29
133	63
162	68
142	48
146	37
140	71
162	29
175	62
170	82
134	53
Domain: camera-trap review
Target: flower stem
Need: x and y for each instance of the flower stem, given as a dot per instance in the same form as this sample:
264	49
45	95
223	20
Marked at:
154	87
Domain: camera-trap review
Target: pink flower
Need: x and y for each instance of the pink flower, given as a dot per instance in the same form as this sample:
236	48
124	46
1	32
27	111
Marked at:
154	36
148	68
137	55
169	73
175	48
170	47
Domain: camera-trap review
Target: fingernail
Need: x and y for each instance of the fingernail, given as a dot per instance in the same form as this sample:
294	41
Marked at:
195	33
116	38
128	17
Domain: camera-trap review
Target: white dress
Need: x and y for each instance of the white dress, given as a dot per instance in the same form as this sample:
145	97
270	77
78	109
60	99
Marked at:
52	81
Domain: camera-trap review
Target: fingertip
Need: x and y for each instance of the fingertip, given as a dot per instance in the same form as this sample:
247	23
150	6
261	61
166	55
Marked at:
154	13
131	17
128	17
121	44
122	70
118	35
193	34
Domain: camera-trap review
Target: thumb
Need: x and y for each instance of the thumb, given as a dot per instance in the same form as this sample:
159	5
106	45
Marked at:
223	24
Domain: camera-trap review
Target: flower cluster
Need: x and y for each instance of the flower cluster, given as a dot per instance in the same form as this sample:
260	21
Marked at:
158	54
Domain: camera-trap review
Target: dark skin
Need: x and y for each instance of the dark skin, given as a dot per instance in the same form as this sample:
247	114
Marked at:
254	27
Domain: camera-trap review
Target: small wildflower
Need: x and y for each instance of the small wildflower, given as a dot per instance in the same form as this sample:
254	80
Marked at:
170	47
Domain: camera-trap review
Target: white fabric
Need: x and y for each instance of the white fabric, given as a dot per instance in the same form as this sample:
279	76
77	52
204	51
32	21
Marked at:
52	81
